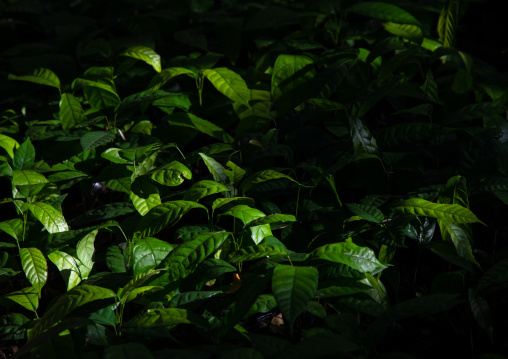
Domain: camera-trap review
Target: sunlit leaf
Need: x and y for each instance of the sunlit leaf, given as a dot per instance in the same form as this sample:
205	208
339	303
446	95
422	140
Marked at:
244	213
171	174
144	195
229	83
68	267
363	259
50	218
148	253
40	76
184	259
71	113
35	266
8	144
24	156
145	54
26	297
448	212
202	189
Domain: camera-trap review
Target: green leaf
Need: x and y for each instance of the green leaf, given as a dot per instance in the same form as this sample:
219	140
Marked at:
127	351
410	32
27	177
362	259
26	297
40	76
85	250
171	174
216	169
255	252
448	212
66	303
95	139
227	203
50	218
24	157
229	83
290	73
99	87
202	189
165	75
188	120
244	213
35	266
446	23
71	113
144	195
8	144
273	219
162	216
481	311
13	227
183	260
263	176
131	289
363	141
182	299
116	260
235	173
148	253
145	54
430	89
385	12
369	213
154	318
114	155
11	326
264	303
68	267
145	166
293	288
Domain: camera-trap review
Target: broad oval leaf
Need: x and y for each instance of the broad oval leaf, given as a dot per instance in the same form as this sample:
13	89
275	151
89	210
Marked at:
165	75
24	157
144	195
244	213
255	252
290	74
145	54
154	318
384	11
27	177
263	176
363	141
362	259
229	83
40	76
162	216
172	174
13	227
272	219
447	212
227	203
202	189
189	297
8	144
185	258
71	113
68	267
125	294
66	303
369	213
293	288
95	139
26	297
50	218
188	120
35	266
85	250
148	253
216	169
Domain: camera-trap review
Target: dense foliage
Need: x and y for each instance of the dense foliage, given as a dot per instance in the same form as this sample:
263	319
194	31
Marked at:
226	179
